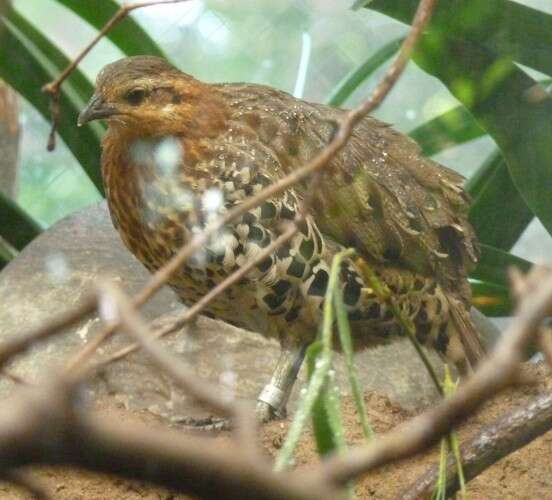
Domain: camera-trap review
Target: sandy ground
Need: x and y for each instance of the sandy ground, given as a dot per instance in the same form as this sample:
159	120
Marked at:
526	474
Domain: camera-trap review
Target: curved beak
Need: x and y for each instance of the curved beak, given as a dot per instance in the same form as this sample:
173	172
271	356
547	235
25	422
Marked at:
97	108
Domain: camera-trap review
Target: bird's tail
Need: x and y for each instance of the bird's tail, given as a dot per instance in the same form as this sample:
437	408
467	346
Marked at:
465	347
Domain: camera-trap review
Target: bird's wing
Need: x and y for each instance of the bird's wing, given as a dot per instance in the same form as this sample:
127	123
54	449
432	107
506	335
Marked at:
380	194
384	198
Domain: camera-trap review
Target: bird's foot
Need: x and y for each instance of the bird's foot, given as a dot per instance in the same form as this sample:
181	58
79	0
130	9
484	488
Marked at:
270	404
266	413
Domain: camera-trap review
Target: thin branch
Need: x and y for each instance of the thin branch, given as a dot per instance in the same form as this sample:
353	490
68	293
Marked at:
21	342
48	425
385	296
16	379
206	393
494	374
493	443
545	343
27	482
192	312
133	325
52	89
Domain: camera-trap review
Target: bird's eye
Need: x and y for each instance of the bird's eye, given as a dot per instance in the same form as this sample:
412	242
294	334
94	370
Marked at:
135	96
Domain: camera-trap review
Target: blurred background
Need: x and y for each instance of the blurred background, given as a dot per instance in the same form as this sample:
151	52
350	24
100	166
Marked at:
304	47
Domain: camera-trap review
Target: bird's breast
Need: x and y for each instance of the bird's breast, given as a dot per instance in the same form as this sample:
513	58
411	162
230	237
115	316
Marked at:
149	201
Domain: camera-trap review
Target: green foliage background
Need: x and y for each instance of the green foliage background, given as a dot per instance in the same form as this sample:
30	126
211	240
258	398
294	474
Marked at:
472	97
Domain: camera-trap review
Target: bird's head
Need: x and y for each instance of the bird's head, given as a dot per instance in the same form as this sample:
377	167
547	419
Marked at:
145	95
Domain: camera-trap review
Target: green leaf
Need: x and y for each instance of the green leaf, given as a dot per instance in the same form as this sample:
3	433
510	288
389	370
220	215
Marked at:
503	27
494	263
506	102
6	254
495	90
490	299
326	420
320	372
355	78
128	35
16	226
498	212
489	281
346	340
28	61
454	127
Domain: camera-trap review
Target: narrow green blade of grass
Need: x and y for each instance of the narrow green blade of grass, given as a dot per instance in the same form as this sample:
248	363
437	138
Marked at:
323	432
345	337
326	415
304	410
318	378
385	296
450	388
440	492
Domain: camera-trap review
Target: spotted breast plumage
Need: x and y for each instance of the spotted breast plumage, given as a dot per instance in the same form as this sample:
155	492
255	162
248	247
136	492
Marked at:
179	152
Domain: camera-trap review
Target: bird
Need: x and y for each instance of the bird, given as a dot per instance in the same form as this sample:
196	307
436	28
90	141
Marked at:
179	152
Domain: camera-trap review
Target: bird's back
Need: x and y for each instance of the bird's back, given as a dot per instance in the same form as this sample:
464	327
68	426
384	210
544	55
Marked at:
380	195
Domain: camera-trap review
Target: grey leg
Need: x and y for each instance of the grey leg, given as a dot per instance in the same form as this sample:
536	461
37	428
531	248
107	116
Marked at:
272	400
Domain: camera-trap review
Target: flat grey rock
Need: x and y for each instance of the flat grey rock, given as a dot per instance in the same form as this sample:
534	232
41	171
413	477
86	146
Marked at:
60	267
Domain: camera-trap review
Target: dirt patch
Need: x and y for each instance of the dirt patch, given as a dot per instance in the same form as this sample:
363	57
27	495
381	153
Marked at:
525	474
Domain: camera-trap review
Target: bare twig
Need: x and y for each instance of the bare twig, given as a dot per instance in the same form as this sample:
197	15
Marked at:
16	379
494	442
385	296
497	372
23	341
52	88
26	482
49	425
165	361
190	313
199	389
545	343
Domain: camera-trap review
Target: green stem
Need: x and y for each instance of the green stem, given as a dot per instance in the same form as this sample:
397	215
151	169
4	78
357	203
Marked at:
440	489
448	387
384	295
452	438
321	369
345	338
